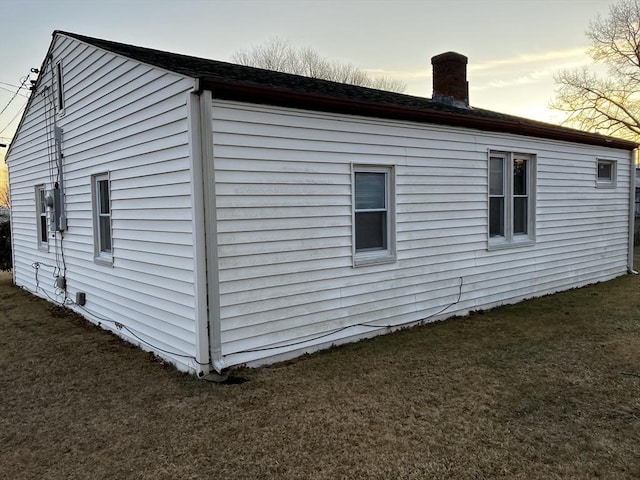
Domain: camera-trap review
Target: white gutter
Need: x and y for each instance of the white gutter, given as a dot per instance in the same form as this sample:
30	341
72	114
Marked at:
632	210
198	226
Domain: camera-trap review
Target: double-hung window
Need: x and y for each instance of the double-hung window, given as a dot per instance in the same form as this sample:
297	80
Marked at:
511	199
102	217
41	214
373	215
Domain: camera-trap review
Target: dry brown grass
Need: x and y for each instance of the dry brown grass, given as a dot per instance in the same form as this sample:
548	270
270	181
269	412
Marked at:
546	389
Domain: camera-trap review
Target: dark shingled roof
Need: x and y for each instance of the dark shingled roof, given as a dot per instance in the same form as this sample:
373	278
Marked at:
255	85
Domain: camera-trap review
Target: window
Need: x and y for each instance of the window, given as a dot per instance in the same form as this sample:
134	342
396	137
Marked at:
373	215
102	217
41	214
606	174
59	88
496	196
511	199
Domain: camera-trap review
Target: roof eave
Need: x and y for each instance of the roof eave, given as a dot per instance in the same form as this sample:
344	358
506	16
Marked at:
270	95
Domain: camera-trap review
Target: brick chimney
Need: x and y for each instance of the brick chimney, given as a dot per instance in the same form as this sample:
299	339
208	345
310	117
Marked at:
450	84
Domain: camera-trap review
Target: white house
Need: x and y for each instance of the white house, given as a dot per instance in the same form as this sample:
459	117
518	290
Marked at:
221	215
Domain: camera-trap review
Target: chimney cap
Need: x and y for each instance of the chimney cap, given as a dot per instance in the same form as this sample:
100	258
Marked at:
449	57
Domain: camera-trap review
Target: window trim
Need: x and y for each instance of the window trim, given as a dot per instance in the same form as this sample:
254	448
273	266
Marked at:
387	255
41	189
101	256
511	239
607	183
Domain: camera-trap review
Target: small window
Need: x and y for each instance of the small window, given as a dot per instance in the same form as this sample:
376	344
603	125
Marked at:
511	199
41	214
59	88
373	215
102	217
606	174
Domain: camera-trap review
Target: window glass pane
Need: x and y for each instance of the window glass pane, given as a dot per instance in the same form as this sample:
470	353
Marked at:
519	177
520	217
43	204
370	190
496	217
103	192
105	233
43	229
60	86
371	231
496	176
605	171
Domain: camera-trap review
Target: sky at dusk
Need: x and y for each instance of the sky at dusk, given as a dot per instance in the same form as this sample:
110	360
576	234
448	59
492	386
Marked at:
514	46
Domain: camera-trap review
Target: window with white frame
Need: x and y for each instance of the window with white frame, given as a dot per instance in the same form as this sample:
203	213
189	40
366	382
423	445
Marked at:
102	216
373	214
511	199
41	214
606	173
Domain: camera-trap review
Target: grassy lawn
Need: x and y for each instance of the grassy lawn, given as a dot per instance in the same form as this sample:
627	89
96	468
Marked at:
549	388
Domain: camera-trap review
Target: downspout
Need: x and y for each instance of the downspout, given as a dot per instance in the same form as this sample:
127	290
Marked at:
203	363
632	210
208	185
211	229
61	213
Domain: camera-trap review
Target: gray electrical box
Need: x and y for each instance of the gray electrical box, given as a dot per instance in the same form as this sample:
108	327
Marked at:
81	298
54	203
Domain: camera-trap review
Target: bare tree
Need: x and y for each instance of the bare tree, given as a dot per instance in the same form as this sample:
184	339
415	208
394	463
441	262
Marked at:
4	186
279	55
4	196
607	104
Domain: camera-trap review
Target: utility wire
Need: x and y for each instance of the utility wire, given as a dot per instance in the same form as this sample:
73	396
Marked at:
14	118
364	324
15	94
119	325
7	90
9	85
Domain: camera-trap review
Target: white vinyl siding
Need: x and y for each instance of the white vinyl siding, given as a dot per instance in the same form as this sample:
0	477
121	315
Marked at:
282	241
285	238
131	120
